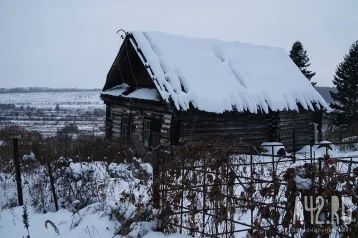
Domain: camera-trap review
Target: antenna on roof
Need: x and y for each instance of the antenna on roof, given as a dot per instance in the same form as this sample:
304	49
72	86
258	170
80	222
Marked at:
122	35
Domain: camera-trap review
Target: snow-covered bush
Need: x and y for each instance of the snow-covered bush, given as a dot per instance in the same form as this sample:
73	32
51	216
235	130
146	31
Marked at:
122	191
350	144
338	133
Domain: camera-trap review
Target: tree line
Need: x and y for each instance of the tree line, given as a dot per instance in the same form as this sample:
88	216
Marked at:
345	98
43	90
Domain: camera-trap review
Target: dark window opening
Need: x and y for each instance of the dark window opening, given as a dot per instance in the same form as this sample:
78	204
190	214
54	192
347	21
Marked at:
108	112
177	131
146	132
151	132
125	129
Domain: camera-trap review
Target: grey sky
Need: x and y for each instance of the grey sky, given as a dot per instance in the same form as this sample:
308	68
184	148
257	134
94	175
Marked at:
71	43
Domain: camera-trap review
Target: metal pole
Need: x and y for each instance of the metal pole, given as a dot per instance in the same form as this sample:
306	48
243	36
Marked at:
18	172
315	132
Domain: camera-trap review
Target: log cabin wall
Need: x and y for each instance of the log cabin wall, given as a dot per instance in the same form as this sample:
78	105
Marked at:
193	125
108	122
136	118
251	129
302	123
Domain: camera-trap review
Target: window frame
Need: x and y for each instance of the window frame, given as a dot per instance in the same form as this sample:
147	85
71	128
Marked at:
147	129
125	128
149	132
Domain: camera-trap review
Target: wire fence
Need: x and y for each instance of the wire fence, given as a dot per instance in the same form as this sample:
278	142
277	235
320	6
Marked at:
221	191
216	190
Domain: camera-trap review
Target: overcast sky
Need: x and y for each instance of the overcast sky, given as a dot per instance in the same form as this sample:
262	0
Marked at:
71	43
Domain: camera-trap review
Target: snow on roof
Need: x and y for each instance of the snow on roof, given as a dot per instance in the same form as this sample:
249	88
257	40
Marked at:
140	93
117	90
216	76
145	93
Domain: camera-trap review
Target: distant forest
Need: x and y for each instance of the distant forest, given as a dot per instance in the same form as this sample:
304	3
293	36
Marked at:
43	90
324	91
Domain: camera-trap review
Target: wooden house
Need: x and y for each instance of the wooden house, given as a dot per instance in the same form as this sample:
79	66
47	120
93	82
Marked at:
163	90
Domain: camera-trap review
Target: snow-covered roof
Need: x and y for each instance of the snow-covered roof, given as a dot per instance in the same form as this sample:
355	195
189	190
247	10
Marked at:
217	76
117	90
140	93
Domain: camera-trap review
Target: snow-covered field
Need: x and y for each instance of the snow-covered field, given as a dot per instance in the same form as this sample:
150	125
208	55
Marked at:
47	112
85	99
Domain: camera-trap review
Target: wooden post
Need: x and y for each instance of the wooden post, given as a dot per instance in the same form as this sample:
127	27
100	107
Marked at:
156	178
18	172
52	183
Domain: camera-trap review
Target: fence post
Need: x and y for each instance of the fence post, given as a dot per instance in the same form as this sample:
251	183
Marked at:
319	172
18	171
204	194
52	183
182	194
294	145
251	185
156	177
350	166
273	158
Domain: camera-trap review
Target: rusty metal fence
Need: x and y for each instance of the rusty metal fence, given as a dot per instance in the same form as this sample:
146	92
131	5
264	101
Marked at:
243	191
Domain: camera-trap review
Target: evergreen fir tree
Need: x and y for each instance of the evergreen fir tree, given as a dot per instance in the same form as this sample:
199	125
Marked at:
345	103
299	55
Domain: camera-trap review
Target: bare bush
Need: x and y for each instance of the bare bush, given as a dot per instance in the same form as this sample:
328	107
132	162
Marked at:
26	139
337	133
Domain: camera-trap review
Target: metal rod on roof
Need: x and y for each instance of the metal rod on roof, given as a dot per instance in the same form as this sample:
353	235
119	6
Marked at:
122	35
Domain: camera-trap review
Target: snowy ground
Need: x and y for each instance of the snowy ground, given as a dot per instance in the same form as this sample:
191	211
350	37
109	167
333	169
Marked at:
116	190
94	224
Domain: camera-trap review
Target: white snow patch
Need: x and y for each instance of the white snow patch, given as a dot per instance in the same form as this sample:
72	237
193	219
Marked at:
161	235
217	75
93	224
348	139
303	184
318	149
140	93
29	157
145	93
117	90
272	146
